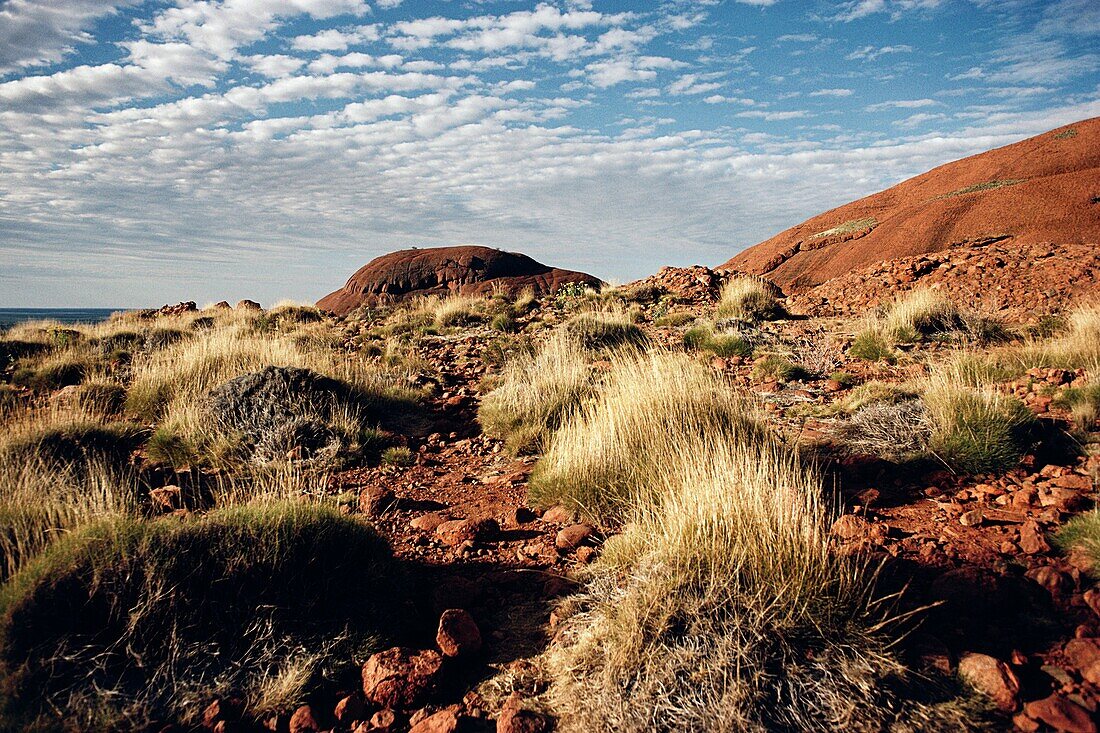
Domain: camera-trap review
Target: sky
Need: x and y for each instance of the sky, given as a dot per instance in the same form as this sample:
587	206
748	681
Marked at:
152	152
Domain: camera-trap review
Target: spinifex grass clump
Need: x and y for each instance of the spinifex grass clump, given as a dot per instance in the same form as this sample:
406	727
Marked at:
595	330
610	455
749	299
920	313
126	620
976	429
722	608
534	392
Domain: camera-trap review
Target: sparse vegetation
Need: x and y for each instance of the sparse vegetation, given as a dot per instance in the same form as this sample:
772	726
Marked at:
727	344
870	345
848	227
777	366
984	186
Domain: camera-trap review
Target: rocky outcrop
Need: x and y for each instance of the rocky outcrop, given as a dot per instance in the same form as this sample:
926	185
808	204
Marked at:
444	270
1016	281
1043	189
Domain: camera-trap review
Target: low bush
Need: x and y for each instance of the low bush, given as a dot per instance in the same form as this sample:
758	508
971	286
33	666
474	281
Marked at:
875	392
728	344
749	299
398	456
596	330
127	621
778	367
504	323
1083	403
1082	535
919	314
676	318
895	430
58	370
70	440
870	345
976	430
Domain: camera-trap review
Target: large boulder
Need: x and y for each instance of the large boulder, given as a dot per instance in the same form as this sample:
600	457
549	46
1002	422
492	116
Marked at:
283	409
442	270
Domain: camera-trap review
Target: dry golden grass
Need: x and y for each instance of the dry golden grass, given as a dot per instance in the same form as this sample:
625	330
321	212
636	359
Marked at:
721	608
607	457
534	393
921	312
749	299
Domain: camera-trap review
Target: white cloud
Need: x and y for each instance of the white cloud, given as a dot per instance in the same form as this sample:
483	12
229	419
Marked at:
901	104
33	32
275	65
336	40
831	93
870	53
692	84
774	116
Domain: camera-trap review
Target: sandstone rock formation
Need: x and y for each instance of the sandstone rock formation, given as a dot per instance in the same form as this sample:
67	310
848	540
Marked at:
442	270
1043	189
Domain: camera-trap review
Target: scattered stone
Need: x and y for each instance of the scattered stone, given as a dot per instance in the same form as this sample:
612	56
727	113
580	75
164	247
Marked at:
1049	577
558	515
375	501
458	531
385	721
1032	541
992	678
350	709
445	721
514	719
1061	714
304	721
427	522
1084	654
458	635
400	677
571	537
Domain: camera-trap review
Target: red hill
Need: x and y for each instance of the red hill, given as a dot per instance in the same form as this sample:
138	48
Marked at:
442	270
1043	189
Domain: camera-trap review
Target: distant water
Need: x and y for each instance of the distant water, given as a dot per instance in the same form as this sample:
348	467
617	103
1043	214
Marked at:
11	316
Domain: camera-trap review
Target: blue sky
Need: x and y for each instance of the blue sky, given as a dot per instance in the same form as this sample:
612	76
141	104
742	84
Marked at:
208	149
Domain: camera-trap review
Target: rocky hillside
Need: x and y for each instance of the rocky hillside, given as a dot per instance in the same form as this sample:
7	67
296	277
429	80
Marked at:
1043	189
466	270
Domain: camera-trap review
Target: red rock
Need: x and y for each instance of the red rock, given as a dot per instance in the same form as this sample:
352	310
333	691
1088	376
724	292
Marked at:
304	721
385	721
1061	714
571	537
221	709
458	635
1032	541
350	709
427	522
1054	580
445	721
518	517
376	500
1084	654
1074	481
991	677
1092	600
399	677
832	385
558	515
248	305
514	719
443	270
456	532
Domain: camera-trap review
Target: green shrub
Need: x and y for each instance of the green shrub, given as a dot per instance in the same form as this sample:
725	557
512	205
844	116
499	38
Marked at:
1083	403
870	345
976	430
105	397
702	338
125	621
596	331
779	367
1082	534
398	456
168	446
52	374
73	441
503	322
